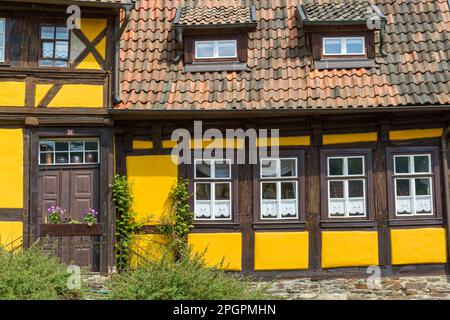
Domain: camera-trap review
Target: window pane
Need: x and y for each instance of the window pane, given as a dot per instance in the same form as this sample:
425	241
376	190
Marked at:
47	146
46	63
403	187
337	208
222	191
62	145
2	56
76	157
269	208
269	191
404	205
222	169
268	168
421	164
288	190
356	188
62	50
336	189
203	209
204	50
46	158
2	26
424	205
355	166
336	167
423	187
91	145
227	48
401	164
288	168
47	32
59	63
355	46
62	33
76	146
356	207
91	157
203	169
332	46
47	49
288	208
62	157
203	191
222	209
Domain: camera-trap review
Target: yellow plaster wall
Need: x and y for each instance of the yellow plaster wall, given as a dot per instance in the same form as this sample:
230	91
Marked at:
208	144
285	141
349	138
91	28
11	168
10	234
349	248
40	92
89	63
219	246
415	134
152	178
281	250
416	246
142	144
78	95
12	93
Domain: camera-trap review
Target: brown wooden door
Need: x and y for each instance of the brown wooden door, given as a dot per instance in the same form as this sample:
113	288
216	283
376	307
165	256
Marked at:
74	189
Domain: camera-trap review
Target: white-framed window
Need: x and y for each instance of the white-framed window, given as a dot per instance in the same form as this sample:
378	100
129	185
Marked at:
2	39
69	152
413	183
346	183
279	188
215	49
336	46
213	189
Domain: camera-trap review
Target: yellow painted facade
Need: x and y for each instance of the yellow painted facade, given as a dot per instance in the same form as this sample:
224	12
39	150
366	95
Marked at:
92	28
89	63
152	178
40	92
12	93
222	249
142	144
208	144
11	234
148	246
349	248
11	168
416	246
349	138
284	141
281	250
415	134
78	95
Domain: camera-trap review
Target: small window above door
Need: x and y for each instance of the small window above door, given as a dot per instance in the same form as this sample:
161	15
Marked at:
69	152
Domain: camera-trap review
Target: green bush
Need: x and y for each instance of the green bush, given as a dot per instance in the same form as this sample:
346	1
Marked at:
31	274
187	278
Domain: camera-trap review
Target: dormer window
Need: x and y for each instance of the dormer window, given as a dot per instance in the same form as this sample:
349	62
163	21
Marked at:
343	46
214	38
216	49
341	36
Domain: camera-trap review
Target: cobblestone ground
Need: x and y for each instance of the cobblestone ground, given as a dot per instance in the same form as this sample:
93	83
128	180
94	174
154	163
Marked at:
391	288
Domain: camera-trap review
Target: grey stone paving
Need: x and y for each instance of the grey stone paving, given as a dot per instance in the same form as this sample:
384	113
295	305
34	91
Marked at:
389	288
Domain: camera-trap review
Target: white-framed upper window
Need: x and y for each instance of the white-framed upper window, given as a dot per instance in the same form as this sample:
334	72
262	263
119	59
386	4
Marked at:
69	152
2	39
336	46
215	49
413	182
279	188
346	179
213	189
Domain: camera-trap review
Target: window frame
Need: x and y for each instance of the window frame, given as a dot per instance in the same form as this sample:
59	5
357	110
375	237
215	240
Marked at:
3	44
366	154
215	55
234	200
69	163
276	223
54	40
434	174
344	40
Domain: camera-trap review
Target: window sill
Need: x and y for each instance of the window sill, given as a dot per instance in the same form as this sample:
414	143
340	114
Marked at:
338	224
216	225
326	64
425	221
279	225
216	66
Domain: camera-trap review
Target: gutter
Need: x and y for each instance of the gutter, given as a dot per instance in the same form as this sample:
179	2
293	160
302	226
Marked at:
117	36
446	186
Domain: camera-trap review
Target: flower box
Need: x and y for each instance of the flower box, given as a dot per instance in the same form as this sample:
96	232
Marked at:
48	229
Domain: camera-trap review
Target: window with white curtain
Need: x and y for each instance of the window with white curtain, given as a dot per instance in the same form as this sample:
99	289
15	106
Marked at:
213	189
2	39
278	188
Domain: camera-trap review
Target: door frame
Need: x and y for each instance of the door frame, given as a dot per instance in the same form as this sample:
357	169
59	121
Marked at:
107	212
